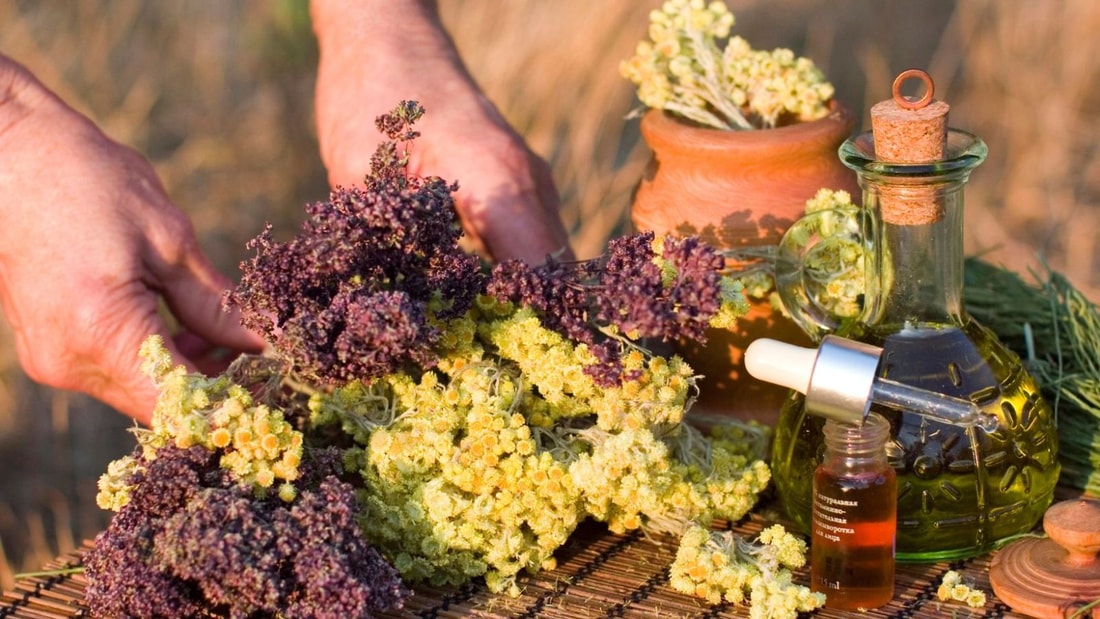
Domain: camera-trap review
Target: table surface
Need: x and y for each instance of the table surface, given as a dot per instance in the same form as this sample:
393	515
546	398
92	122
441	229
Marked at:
600	574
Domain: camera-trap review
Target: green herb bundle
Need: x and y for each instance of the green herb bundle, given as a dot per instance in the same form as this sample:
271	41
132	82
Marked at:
1056	330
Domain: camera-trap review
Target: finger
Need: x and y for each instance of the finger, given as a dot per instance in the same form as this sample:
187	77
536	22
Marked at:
113	372
516	225
192	345
137	404
134	393
209	358
194	291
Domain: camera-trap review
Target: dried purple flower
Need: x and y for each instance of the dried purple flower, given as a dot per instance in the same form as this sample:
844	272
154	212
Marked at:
190	540
355	293
639	289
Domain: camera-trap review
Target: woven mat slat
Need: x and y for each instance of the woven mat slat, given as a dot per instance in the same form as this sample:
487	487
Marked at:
599	574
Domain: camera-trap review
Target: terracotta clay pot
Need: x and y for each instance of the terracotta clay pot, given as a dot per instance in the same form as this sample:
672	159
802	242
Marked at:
738	189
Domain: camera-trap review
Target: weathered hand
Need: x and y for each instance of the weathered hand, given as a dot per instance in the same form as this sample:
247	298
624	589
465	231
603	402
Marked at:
89	243
374	54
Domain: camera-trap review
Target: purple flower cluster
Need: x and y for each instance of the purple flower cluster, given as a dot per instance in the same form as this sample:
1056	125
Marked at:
634	296
626	289
190	541
559	292
353	295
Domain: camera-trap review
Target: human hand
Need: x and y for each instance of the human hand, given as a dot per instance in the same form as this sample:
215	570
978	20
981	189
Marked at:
376	53
88	246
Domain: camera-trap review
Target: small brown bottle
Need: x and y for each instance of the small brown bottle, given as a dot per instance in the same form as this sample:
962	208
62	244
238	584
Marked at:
854	517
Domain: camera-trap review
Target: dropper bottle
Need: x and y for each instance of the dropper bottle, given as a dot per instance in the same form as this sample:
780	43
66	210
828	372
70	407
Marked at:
853	522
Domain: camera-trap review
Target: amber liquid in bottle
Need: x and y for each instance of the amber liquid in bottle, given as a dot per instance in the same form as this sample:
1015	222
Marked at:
854	518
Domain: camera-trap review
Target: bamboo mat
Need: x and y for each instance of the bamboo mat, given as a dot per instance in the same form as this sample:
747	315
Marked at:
599	574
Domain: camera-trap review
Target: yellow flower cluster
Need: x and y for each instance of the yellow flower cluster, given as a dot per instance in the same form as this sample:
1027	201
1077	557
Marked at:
954	589
660	395
834	263
555	366
626	478
722	566
257	445
486	464
457	486
772	84
728	482
684	69
633	479
552	364
114	485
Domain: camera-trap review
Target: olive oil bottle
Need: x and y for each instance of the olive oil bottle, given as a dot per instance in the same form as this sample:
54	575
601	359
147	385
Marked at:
959	490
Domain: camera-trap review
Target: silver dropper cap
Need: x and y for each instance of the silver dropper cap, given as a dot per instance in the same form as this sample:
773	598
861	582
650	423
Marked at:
842	380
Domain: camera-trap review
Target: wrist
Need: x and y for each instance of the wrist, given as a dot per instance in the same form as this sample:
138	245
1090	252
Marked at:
380	32
391	47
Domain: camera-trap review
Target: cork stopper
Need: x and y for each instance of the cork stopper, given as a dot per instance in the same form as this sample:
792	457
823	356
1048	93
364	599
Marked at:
910	130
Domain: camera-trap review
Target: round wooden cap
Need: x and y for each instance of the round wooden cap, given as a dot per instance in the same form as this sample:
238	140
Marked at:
1051	578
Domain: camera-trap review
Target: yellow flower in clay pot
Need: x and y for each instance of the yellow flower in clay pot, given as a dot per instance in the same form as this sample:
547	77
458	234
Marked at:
741	139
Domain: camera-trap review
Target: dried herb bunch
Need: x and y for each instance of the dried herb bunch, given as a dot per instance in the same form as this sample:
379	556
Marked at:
666	289
478	418
691	67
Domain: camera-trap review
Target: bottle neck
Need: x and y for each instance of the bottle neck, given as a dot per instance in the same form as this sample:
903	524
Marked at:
916	271
913	234
861	444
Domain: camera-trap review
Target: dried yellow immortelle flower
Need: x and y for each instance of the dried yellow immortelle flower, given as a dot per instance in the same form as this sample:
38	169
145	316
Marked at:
690	66
954	589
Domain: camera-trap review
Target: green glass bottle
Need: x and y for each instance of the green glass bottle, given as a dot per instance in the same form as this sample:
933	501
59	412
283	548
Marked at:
959	490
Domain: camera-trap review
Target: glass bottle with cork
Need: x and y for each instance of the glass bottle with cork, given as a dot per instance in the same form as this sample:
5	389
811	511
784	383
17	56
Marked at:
960	489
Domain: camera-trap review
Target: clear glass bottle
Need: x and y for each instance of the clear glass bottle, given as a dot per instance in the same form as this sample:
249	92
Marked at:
854	517
959	489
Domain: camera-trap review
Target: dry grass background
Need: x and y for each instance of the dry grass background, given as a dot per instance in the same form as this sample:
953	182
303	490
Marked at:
218	95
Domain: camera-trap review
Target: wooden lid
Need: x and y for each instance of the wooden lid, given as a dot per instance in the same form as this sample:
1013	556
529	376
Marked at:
1051	578
910	130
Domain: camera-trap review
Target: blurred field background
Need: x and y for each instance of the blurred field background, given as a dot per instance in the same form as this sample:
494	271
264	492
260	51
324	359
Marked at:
218	94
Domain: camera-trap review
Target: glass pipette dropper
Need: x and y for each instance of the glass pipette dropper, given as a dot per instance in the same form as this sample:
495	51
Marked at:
931	404
840	381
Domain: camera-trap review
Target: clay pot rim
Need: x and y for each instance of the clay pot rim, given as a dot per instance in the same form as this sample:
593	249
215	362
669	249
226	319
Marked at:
665	131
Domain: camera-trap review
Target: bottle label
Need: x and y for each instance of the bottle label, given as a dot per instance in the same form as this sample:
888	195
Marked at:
831	518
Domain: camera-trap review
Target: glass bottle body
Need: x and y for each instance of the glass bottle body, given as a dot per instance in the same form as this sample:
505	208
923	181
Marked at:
959	489
854	517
